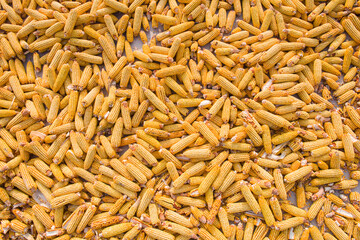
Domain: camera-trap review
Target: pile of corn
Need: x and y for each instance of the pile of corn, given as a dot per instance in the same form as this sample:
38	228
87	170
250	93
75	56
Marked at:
179	140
